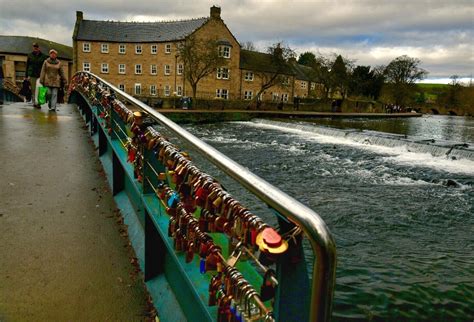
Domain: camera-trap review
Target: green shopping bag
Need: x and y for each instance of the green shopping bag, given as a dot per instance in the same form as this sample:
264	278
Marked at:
42	90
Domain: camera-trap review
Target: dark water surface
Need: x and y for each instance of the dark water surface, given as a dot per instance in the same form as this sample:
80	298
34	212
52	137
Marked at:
405	238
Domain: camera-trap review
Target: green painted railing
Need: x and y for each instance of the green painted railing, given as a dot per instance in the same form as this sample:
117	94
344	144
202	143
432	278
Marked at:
174	211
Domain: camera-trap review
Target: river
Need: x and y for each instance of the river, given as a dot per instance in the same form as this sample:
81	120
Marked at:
402	219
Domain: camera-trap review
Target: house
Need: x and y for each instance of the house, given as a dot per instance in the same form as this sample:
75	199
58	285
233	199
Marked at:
14	52
142	59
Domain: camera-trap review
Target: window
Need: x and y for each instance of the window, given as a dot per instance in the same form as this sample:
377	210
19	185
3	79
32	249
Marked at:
179	90
222	73
167	70
284	97
248	95
153	90
122	48
86	47
286	81
86	67
275	97
104	48
138	49
138	89
104	68
224	51
138	69
167	90
168	49
313	86
121	87
153	69
222	93
121	69
154	49
249	76
303	85
180	69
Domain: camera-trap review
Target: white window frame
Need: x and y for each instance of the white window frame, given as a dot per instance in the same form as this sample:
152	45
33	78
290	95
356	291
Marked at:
121	87
313	86
86	47
138	49
138	89
167	48
122	70
248	95
303	85
167	70
154	49
224	51
275	97
167	90
153	69
122	49
138	69
179	90
223	73
104	48
222	93
284	97
86	66
153	90
180	69
104	68
249	76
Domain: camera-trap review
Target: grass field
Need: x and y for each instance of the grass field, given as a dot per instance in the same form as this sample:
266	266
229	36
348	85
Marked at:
432	90
432	87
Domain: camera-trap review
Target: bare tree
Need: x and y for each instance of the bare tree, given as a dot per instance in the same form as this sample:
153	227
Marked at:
248	45
200	58
401	75
277	70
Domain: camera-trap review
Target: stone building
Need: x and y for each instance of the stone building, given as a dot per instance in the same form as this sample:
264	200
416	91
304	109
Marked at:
14	52
142	58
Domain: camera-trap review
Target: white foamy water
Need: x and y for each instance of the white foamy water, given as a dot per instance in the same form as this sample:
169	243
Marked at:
396	155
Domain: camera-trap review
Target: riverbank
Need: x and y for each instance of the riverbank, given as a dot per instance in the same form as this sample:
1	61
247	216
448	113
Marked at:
211	116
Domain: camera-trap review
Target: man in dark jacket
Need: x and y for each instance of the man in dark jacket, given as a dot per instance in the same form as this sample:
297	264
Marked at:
1	82
33	70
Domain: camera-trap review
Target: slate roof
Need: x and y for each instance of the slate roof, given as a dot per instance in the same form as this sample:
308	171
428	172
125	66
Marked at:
302	72
260	62
137	32
24	45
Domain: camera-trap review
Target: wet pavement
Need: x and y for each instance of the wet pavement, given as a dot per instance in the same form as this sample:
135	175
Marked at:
62	256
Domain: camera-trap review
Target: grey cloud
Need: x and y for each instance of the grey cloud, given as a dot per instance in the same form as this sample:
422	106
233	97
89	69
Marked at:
358	28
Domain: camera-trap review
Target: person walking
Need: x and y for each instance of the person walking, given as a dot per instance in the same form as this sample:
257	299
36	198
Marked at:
34	64
1	82
51	76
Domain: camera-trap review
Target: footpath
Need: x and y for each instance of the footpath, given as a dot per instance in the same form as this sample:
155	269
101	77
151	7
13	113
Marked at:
64	255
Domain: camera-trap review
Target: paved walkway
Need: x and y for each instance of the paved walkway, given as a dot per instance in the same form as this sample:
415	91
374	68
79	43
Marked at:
62	257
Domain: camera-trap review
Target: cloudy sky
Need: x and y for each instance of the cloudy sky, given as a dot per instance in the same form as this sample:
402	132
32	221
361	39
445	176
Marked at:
372	32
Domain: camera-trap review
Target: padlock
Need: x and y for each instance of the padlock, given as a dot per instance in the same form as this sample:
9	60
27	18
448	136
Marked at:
235	255
268	290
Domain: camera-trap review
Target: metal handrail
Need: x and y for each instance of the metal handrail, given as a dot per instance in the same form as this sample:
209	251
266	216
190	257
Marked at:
322	242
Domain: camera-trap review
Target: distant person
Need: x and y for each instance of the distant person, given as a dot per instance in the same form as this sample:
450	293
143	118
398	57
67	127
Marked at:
1	83
296	103
34	63
51	76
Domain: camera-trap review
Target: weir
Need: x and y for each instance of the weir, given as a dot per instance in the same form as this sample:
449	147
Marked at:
204	255
437	148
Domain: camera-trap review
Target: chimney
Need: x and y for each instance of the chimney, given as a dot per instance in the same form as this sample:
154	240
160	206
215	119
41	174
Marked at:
79	16
215	12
